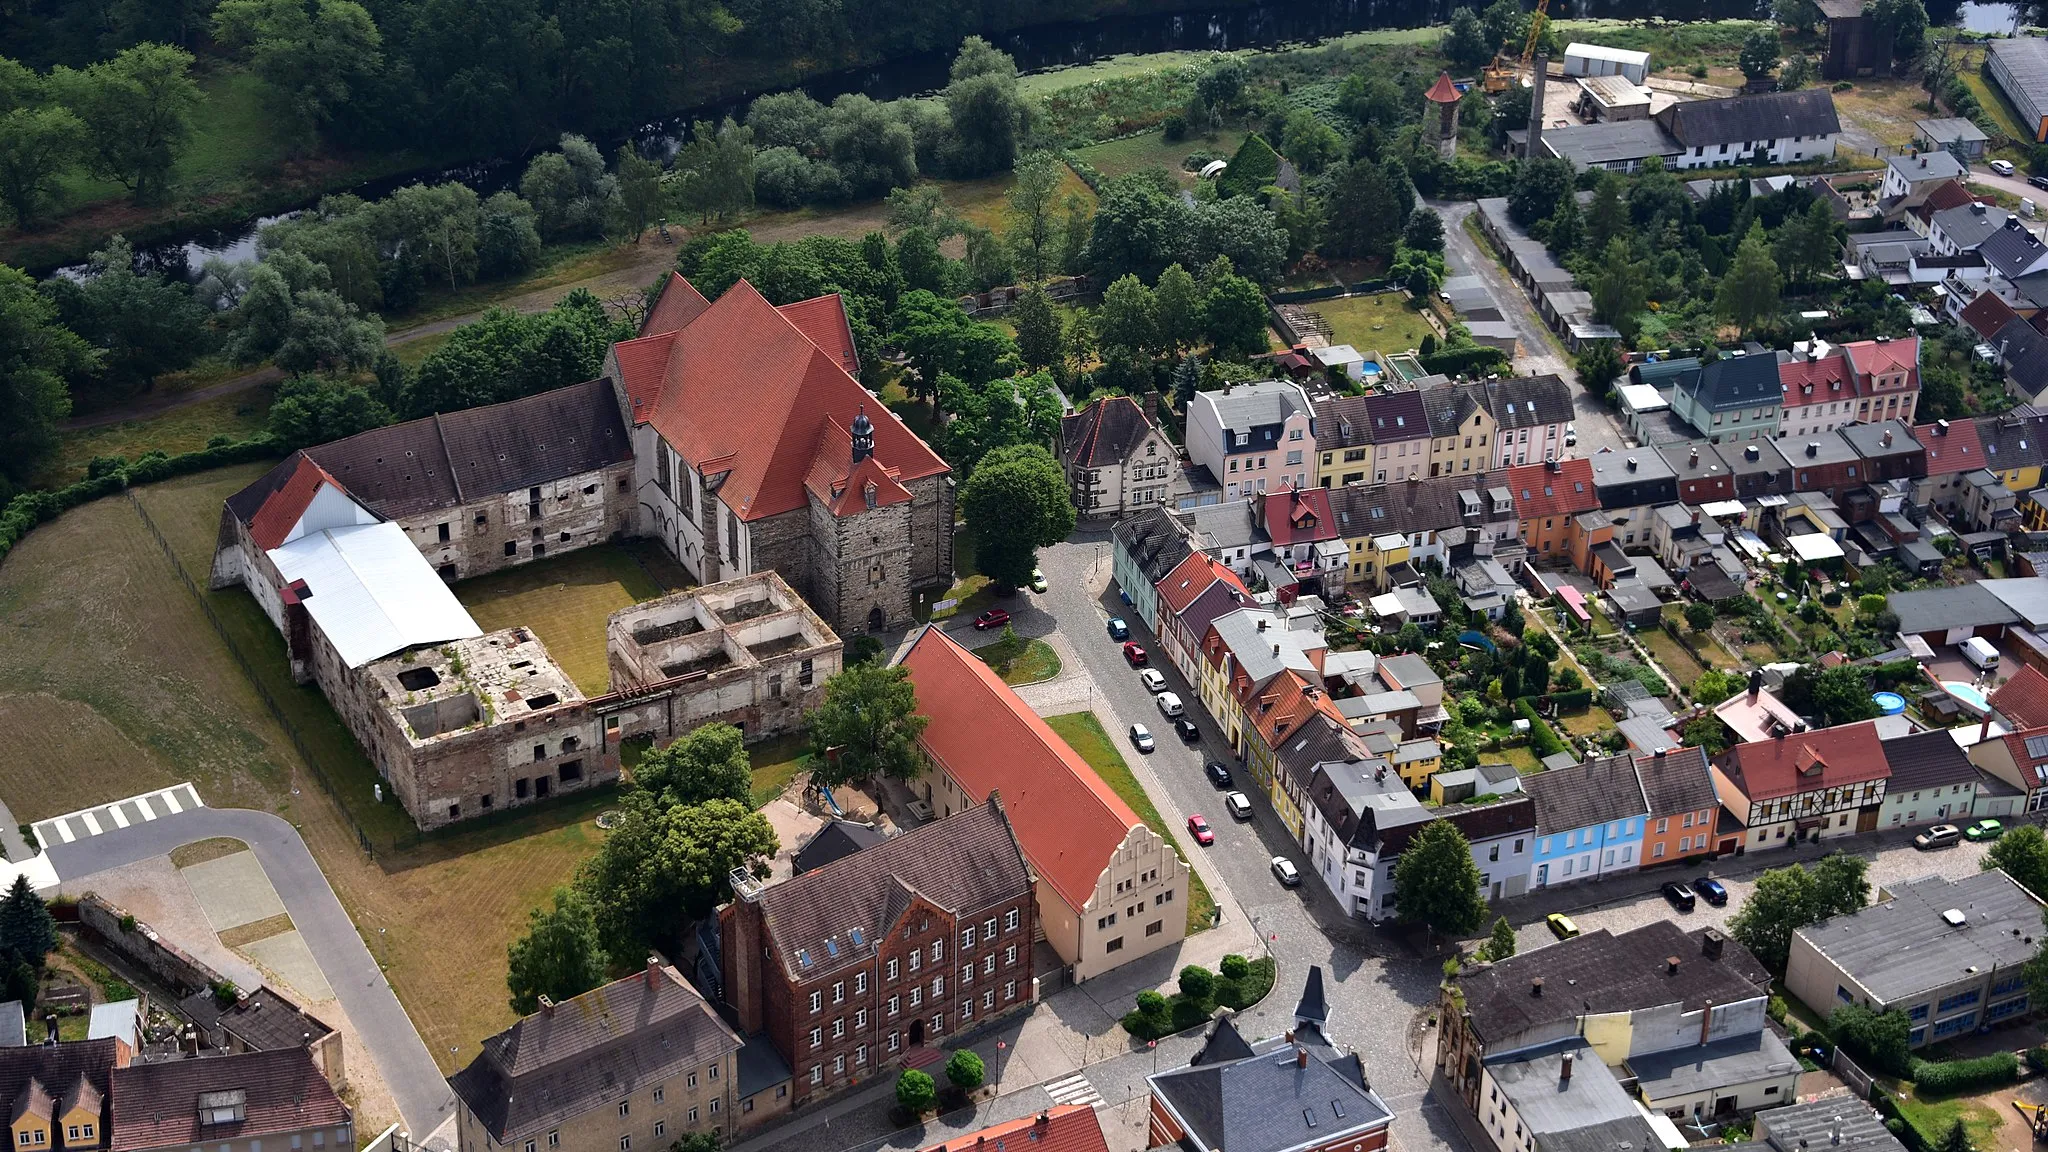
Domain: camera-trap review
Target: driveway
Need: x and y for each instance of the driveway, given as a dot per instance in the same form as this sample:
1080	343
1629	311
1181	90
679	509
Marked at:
417	1086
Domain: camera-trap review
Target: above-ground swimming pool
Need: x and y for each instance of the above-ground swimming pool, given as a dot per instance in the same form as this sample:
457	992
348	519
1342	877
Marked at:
1969	694
1888	703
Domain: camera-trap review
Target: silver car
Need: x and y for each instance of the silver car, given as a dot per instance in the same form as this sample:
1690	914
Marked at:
1141	739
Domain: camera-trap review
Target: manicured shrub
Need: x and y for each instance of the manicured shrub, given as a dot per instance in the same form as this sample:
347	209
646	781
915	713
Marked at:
966	1071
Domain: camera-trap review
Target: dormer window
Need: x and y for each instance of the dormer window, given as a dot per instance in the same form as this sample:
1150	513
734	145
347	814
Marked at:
223	1107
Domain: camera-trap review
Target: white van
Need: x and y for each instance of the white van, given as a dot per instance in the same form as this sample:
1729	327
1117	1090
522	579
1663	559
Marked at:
1979	652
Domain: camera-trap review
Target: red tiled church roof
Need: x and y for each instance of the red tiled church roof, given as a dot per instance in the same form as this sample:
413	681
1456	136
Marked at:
748	390
1068	821
679	304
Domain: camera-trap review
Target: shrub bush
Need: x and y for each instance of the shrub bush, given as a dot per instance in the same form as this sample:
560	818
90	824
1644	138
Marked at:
1235	967
29	509
1542	738
916	1092
1197	982
2037	1058
1151	1003
966	1071
1952	1076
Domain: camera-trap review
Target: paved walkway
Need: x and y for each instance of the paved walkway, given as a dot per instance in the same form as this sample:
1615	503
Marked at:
11	838
417	1086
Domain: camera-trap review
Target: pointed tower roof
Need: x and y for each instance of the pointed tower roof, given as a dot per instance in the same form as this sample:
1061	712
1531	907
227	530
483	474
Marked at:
1443	91
1313	1008
1224	1044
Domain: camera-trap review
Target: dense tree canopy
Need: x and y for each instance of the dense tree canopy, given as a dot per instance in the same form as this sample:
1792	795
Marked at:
866	727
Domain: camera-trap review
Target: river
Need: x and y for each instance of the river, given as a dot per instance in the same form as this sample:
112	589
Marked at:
1041	48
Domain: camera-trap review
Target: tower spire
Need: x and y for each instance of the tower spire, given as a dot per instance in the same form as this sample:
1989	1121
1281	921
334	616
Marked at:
863	436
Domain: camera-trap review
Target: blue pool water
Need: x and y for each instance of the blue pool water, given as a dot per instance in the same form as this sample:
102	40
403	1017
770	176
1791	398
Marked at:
1969	694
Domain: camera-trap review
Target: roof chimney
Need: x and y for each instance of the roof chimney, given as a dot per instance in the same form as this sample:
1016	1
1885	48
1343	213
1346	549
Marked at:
1694	460
1300	1056
653	971
1941	427
1710	943
1812	448
1887	441
1661	750
1756	684
1671	965
1752	453
1045	1117
1631	463
547	1005
1564	1069
1536	986
863	436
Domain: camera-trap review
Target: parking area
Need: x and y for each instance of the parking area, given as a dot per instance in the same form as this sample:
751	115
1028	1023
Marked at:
1893	861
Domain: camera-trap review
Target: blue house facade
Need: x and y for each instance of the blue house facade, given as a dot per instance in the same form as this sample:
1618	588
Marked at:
1145	548
1590	820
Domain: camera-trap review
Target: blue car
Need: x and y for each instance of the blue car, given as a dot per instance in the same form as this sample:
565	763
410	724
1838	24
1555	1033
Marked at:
1118	630
1711	891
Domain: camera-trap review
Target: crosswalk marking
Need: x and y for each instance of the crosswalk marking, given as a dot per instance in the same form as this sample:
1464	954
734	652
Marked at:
120	817
1073	1089
91	825
64	830
104	818
142	806
170	796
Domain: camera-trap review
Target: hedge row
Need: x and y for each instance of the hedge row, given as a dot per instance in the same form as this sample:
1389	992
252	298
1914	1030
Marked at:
1575	701
29	509
1473	361
1952	1076
1541	736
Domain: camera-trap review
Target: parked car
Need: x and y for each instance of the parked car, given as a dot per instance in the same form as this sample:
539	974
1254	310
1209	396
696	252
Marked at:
1118	630
1985	829
1677	895
1170	705
1238	805
1189	732
1199	829
2038	181
1571	435
993	618
1218	774
1283	871
1134	655
2002	167
1141	739
1561	926
1939	836
1711	890
1152	680
1037	580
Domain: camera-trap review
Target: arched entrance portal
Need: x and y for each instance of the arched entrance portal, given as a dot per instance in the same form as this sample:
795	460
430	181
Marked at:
916	1033
877	621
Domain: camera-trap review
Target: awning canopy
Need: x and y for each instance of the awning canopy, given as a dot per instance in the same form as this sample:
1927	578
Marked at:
1814	546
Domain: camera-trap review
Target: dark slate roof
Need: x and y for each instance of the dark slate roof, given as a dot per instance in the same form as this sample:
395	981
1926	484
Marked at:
1155	541
156	1105
1313	1007
444	460
2024	352
1394	417
1224	1044
1869	439
1765	116
262	1020
1739	382
588	1051
1926	760
1969	605
1678	780
1105	432
1526	401
2012	250
1407	506
2013	439
1270	1101
1603	972
1342	422
832	917
1451	405
835	841
1583	795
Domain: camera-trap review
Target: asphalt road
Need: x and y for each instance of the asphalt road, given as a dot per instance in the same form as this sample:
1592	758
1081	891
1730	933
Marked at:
417	1086
1378	987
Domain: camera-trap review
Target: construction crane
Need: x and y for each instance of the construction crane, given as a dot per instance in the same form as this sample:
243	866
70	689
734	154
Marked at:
1503	71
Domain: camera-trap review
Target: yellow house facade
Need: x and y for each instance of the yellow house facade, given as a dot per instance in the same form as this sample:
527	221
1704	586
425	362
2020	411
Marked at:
1461	430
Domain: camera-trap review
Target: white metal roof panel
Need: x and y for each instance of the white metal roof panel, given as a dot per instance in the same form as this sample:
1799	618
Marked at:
1603	52
371	592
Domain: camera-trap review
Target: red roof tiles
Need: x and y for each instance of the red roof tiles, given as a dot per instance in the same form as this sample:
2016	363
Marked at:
1443	91
823	320
1957	449
1568	491
1808	761
1870	357
1299	515
1814	381
275	519
2023	699
1192	577
679	304
1065	1128
1987	314
1067	820
746	390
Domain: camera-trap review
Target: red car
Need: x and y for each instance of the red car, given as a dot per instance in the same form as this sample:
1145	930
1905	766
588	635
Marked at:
1134	654
1199	828
993	618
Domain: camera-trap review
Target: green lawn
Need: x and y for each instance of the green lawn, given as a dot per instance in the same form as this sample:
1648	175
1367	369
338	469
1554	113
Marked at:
186	429
1020	661
777	762
1383	322
565	600
1083	732
1934	1117
1132	153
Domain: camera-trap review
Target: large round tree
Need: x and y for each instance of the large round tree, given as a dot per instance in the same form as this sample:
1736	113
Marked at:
1016	503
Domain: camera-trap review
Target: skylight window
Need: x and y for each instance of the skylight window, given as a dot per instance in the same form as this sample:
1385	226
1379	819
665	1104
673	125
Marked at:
803	958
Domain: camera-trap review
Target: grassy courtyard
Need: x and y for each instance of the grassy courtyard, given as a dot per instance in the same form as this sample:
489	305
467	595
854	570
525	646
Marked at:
566	600
1019	660
1382	322
111	661
1083	732
1133	153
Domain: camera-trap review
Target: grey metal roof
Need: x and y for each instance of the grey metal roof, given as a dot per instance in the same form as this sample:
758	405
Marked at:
1646	735
1927	166
2025	59
1589	145
1926	760
1869	439
1815	1123
1905	946
1941	609
1725	1063
1738	382
1234	524
1270	1102
1254	407
2013	251
2026	595
1552	1104
1952	130
1263	653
